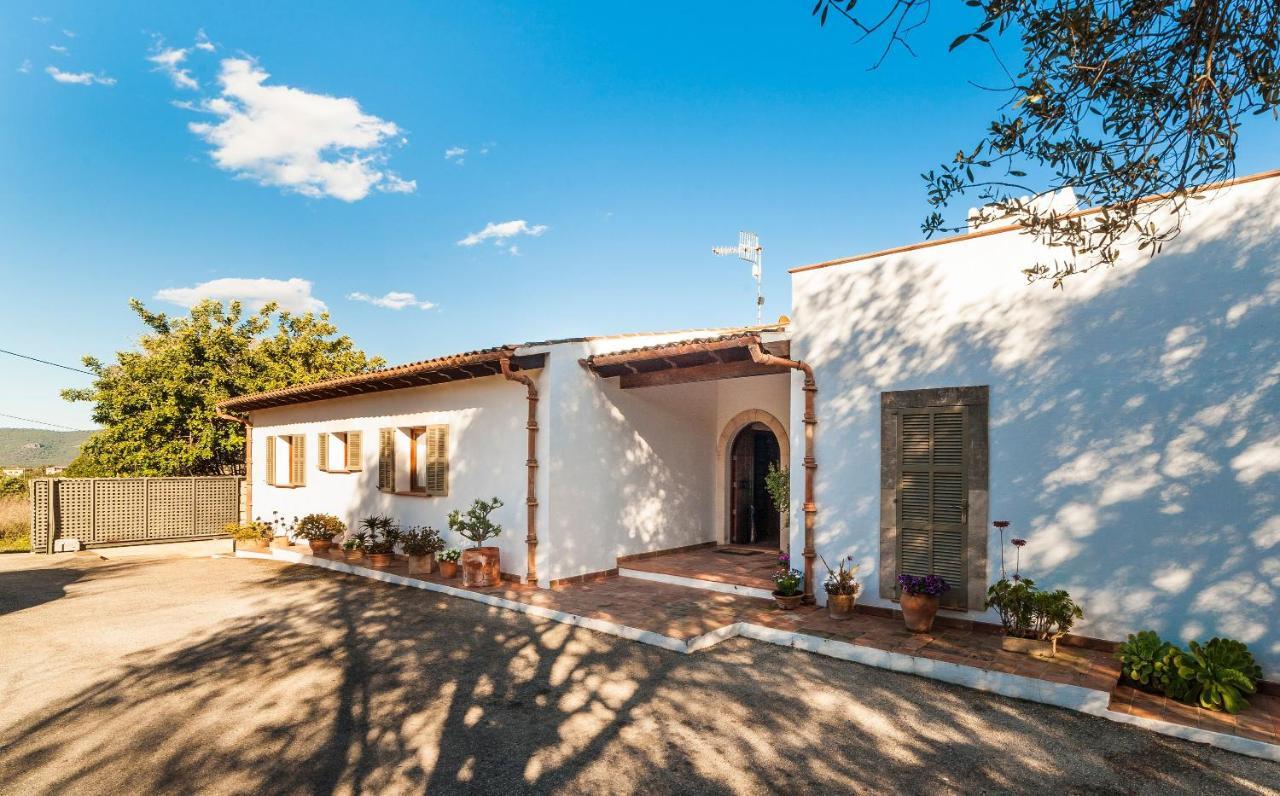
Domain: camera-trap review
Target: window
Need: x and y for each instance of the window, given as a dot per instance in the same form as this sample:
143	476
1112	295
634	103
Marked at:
339	452
933	473
295	458
429	460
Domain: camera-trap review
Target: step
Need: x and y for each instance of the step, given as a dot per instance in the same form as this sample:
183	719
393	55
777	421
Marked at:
696	583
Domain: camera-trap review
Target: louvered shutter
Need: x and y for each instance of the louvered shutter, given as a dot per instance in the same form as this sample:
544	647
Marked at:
322	451
933	496
437	482
298	460
271	461
387	459
354	451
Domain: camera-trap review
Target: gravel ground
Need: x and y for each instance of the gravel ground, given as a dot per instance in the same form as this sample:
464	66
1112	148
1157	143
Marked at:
184	675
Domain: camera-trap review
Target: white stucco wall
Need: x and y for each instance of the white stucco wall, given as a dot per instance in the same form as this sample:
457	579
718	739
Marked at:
1135	415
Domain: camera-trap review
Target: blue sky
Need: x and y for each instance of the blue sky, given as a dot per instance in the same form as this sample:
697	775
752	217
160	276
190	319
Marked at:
628	139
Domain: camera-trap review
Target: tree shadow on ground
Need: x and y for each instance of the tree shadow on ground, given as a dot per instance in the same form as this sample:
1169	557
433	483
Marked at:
337	684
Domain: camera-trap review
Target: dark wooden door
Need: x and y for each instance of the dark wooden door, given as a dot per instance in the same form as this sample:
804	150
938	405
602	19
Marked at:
742	484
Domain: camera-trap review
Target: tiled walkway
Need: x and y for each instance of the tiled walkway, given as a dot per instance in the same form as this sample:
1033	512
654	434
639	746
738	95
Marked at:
686	616
737	564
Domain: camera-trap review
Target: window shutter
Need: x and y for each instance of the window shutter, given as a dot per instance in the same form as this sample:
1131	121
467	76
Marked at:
933	497
387	459
271	461
437	460
355	454
322	451
298	460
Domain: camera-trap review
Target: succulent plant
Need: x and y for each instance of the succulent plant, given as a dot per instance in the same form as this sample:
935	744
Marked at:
1219	673
1143	658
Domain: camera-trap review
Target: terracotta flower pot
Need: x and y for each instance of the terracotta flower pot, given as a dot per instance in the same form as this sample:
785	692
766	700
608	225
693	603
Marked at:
1030	646
254	545
918	611
381	559
352	555
840	606
422	565
448	569
281	542
481	566
788	602
320	545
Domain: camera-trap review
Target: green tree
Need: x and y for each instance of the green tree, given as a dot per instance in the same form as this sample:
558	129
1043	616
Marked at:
1116	99
156	404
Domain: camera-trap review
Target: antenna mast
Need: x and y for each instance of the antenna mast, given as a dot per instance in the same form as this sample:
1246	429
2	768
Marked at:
749	250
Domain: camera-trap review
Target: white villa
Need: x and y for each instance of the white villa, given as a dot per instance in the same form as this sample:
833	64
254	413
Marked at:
1128	426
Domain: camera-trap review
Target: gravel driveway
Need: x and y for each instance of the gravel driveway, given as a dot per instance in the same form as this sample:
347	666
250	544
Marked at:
183	675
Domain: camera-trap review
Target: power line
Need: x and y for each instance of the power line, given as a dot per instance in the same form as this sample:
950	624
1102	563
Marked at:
42	422
46	362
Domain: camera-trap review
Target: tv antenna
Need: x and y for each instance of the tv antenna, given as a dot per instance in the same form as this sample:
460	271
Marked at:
749	250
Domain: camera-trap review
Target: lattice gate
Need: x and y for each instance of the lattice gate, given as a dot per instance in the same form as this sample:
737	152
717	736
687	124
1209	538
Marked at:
100	512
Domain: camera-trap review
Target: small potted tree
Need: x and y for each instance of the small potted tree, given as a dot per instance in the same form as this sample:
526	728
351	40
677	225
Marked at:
788	584
448	561
481	566
777	482
319	530
255	536
420	544
382	537
841	588
919	600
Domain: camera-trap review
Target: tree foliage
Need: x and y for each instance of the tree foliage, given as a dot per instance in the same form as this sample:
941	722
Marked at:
157	403
1117	100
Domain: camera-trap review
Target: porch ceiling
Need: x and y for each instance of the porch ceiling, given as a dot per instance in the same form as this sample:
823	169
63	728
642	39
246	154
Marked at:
705	359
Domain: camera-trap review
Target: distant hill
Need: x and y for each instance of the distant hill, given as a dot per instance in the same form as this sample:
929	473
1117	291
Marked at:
33	447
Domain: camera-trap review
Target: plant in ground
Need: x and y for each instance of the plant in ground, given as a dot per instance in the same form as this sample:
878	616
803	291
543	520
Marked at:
787	582
320	527
1220	672
923	585
841	581
475	525
421	540
777	481
382	534
249	531
451	555
1143	659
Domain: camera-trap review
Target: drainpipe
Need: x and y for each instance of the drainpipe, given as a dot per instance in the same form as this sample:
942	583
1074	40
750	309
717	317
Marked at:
810	463
531	466
248	461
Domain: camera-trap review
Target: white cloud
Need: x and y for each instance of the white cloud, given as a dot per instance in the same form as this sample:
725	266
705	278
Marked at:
312	144
394	300
42	20
454	152
203	43
167	60
500	233
59	49
293	295
79	78
26	66
70	34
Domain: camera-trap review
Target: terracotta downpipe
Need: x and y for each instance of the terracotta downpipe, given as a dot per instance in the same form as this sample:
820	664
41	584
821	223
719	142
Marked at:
810	463
248	461
531	465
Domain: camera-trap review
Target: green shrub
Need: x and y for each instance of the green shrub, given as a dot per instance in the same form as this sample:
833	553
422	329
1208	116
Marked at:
320	527
421	541
1027	612
249	531
1143	657
1220	672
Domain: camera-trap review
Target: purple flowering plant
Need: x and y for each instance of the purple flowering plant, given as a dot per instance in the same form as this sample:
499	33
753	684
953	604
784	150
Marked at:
923	585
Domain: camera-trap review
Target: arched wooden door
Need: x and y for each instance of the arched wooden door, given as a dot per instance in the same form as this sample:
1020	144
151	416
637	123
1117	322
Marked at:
753	518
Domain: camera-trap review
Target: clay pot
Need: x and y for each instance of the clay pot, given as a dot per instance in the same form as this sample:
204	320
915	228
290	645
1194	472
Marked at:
918	611
840	606
1030	646
281	542
381	559
320	545
789	602
448	569
481	566
254	545
352	555
422	565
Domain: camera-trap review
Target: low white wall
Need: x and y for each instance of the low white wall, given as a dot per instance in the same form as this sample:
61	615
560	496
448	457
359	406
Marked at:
1135	414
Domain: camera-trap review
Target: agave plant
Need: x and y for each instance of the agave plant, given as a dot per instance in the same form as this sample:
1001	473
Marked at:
1220	672
1142	658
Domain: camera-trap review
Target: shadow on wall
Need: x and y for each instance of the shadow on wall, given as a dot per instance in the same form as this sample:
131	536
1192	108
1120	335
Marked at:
339	685
1135	430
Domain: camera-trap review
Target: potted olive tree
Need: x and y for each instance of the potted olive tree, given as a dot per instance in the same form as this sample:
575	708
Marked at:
383	533
448	561
841	588
319	530
481	566
919	600
420	544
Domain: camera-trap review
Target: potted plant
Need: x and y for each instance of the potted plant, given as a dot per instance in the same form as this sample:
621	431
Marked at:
1033	620
353	546
788	584
420	544
919	600
777	482
842	588
481	566
448	561
254	535
282	530
319	530
380	543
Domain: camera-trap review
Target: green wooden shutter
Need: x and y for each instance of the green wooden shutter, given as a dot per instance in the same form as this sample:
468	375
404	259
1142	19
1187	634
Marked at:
387	459
271	461
322	451
933	504
354	450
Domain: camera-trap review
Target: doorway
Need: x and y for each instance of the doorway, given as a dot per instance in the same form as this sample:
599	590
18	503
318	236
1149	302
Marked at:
753	519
